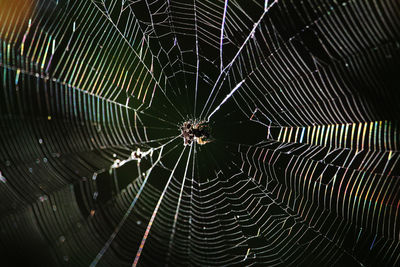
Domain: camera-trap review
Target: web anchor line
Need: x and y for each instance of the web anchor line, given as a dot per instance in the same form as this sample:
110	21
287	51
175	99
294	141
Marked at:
225	99
225	71
139	252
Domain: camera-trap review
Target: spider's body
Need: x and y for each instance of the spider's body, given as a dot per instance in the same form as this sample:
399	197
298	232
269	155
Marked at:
195	131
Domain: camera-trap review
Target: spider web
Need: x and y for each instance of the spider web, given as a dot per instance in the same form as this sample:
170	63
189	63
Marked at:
302	99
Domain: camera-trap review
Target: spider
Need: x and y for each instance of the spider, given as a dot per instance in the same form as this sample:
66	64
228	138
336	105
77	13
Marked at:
195	132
